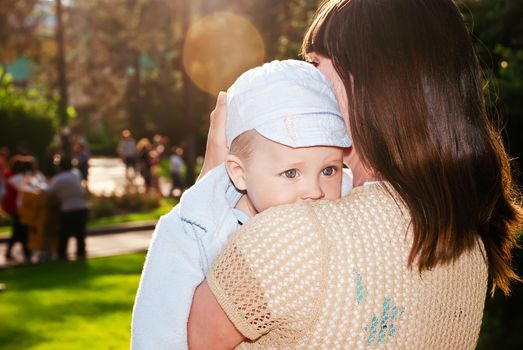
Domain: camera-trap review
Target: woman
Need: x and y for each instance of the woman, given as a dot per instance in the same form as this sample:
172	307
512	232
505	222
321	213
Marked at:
402	261
16	178
67	187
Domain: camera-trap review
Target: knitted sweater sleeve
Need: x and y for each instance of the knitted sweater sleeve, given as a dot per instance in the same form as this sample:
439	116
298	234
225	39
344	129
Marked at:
270	275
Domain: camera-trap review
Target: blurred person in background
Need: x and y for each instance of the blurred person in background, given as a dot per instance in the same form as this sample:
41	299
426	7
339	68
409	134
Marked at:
81	157
50	160
164	142
161	146
4	156
4	165
16	178
176	164
66	186
35	179
143	150
66	141
158	153
155	161
158	145
127	151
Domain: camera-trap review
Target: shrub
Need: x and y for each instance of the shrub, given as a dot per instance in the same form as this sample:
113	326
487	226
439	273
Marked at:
4	219
107	206
27	118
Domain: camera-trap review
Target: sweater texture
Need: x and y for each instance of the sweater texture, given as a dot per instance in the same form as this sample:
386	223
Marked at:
334	275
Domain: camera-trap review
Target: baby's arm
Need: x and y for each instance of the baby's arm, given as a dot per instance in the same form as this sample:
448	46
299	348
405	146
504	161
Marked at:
171	273
185	243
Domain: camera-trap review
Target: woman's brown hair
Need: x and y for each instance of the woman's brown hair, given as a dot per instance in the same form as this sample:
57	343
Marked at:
417	117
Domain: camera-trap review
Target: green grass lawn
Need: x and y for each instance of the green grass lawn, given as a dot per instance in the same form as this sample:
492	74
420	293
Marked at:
77	305
4	231
88	306
166	204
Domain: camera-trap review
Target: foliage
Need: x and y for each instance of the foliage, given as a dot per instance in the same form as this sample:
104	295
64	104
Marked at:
137	70
106	206
501	328
81	305
124	64
102	141
498	38
4	220
18	21
133	70
28	118
166	204
282	24
497	30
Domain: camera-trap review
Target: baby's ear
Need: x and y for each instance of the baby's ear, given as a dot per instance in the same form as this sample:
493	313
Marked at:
236	170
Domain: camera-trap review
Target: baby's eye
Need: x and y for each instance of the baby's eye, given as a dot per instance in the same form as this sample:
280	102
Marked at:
328	171
290	174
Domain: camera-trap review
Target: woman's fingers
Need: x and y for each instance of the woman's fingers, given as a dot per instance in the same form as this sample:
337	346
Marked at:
216	149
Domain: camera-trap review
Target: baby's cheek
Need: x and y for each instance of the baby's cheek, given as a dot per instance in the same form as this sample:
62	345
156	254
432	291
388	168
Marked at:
333	191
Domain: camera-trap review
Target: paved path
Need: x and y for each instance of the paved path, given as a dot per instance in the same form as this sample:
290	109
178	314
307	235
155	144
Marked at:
97	246
107	177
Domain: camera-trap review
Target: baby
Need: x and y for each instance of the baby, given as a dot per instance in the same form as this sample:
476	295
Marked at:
286	137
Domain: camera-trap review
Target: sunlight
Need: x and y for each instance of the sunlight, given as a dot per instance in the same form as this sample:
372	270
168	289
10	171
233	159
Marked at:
220	47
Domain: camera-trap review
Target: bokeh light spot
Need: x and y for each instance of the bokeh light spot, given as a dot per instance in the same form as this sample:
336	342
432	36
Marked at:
218	48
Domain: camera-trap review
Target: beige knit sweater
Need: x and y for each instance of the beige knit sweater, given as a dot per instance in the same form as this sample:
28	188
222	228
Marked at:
334	275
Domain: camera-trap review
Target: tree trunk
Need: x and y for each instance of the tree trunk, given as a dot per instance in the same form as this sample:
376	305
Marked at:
189	141
62	78
136	121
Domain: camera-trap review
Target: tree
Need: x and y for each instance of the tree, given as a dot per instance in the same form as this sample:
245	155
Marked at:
18	22
282	24
28	119
124	67
60	58
497	30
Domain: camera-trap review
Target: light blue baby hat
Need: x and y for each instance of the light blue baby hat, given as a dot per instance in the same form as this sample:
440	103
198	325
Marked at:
289	102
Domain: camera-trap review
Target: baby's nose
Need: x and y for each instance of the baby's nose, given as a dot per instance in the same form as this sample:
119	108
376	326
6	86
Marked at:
312	191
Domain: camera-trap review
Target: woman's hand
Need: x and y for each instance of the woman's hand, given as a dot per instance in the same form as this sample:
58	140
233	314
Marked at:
216	149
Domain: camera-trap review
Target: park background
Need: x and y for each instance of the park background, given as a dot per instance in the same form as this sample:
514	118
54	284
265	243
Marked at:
95	67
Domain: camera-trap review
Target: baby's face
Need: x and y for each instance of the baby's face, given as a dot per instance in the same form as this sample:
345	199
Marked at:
276	174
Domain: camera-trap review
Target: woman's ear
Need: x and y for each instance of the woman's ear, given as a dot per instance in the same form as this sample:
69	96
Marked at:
236	170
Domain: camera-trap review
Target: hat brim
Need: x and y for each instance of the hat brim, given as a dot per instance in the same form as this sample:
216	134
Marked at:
307	130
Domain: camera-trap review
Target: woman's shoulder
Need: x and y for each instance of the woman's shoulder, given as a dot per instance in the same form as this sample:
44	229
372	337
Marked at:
309	218
376	195
280	219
